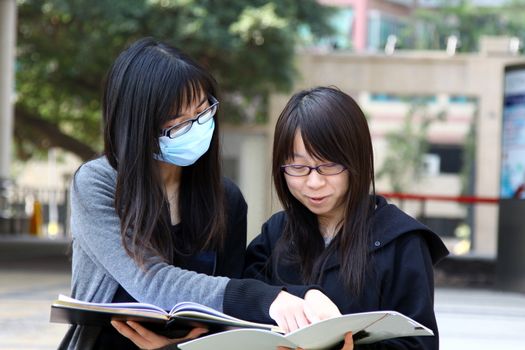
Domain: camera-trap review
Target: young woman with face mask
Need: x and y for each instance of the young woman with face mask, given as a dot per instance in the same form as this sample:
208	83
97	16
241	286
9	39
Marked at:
334	231
152	218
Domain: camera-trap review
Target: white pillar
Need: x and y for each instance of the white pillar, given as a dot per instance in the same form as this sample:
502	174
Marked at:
487	74
254	180
7	80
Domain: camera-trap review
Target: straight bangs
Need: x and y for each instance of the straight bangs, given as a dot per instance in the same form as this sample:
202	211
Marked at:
331	126
187	84
323	137
334	129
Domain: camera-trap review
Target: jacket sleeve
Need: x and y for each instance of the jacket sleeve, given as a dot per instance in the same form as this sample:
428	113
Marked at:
259	263
408	287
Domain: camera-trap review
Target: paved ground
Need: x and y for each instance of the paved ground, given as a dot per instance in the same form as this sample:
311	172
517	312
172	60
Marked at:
480	319
25	298
468	319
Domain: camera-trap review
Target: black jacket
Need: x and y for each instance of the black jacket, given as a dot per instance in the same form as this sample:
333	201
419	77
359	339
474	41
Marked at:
401	275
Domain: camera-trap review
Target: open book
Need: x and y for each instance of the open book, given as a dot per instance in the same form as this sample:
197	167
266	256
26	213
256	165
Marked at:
231	333
174	323
367	327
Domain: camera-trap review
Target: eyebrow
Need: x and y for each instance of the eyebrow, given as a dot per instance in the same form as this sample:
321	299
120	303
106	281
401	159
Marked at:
302	156
297	155
204	99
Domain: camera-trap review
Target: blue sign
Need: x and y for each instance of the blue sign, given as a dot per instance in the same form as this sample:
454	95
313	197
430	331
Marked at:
513	134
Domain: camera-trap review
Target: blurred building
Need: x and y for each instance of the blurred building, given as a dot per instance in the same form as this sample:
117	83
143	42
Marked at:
369	25
467	89
365	25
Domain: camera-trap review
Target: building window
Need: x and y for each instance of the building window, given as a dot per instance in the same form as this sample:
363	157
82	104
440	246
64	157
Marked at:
450	157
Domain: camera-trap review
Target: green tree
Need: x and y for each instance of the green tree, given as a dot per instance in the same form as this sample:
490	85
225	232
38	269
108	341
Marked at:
467	21
66	46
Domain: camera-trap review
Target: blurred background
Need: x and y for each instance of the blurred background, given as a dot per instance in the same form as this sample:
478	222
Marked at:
442	83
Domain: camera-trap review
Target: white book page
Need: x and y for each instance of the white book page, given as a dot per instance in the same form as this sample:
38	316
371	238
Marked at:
190	306
195	310
239	339
329	332
380	324
128	306
394	325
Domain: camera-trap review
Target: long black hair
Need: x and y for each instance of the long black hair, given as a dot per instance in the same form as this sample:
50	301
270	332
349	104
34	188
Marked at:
333	128
148	82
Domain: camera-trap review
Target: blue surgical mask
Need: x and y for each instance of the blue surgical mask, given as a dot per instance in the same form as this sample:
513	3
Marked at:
187	148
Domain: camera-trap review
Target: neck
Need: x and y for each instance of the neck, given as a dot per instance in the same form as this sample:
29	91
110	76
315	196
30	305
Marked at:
329	225
170	175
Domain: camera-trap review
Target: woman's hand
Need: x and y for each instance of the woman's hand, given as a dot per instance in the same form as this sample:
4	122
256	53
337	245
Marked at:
288	311
348	345
319	307
291	312
349	342
146	339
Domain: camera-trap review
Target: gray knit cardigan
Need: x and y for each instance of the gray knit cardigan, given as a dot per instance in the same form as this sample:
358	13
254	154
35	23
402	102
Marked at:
100	262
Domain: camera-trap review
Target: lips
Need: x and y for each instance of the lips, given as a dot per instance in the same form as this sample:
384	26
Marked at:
316	200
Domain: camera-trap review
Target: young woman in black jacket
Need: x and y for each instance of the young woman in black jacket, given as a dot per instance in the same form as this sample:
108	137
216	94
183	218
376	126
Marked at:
334	230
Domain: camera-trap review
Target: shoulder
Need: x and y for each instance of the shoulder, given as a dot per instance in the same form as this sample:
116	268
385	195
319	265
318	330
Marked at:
391	225
271	231
273	228
233	195
277	220
94	176
98	168
231	190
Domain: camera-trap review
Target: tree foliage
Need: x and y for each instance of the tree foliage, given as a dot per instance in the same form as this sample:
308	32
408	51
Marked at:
65	48
468	22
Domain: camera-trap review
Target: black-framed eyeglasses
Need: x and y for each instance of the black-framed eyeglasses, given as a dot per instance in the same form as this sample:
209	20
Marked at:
185	126
305	170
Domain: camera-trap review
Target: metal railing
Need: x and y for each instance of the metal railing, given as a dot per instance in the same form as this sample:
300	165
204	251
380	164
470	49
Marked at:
40	212
456	231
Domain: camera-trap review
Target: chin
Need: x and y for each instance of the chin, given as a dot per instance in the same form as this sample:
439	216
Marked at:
318	211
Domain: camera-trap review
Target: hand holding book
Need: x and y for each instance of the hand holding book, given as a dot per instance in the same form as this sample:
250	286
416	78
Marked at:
291	312
146	339
319	307
347	344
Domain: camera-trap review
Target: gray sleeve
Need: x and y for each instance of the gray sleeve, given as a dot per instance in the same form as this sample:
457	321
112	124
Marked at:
96	228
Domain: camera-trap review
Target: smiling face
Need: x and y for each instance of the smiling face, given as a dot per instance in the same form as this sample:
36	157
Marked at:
323	195
318	126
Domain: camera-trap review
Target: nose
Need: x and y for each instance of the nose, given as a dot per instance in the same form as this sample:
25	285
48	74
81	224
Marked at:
315	180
